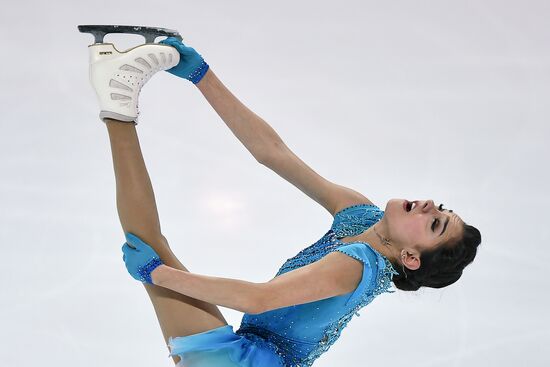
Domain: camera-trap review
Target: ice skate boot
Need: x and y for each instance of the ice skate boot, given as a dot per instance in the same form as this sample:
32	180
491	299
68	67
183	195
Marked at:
117	77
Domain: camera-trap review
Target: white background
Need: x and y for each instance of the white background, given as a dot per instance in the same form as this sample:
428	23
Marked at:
442	100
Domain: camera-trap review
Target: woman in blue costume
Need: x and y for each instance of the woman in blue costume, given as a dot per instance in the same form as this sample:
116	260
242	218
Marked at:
295	317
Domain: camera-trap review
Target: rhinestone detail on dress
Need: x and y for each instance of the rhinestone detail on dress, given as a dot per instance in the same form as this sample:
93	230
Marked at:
272	328
333	331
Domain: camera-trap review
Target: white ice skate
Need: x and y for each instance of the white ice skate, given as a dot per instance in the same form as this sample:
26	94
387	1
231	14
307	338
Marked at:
118	77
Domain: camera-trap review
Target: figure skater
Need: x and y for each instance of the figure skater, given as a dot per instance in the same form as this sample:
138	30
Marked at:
295	317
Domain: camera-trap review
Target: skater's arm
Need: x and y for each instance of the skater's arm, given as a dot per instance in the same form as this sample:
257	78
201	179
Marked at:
269	149
335	274
256	135
236	294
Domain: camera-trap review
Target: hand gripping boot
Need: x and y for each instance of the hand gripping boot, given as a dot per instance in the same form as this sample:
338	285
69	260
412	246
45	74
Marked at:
118	77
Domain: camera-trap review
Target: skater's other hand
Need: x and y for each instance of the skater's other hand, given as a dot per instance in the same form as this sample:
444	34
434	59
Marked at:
191	66
140	258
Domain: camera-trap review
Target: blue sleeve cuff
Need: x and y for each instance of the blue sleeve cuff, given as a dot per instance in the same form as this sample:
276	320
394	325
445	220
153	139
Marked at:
198	74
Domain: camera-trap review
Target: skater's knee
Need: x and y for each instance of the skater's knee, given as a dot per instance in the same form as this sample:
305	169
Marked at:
164	240
167	256
153	238
160	242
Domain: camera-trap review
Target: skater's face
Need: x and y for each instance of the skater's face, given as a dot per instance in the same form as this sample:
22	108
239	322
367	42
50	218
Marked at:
420	225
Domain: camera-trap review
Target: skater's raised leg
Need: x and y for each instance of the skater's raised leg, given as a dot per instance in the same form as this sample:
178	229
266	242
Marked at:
178	315
117	79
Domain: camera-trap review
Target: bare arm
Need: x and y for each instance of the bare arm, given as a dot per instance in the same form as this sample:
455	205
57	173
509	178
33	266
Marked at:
255	134
333	275
236	294
269	149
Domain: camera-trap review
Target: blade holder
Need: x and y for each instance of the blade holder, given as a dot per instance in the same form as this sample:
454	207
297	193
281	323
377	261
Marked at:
150	33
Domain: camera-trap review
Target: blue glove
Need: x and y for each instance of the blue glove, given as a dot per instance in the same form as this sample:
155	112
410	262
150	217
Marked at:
191	66
140	258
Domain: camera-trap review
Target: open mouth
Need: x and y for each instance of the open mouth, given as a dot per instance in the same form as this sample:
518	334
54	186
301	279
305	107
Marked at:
409	205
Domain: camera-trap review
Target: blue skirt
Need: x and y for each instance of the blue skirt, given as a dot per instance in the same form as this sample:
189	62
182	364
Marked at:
221	347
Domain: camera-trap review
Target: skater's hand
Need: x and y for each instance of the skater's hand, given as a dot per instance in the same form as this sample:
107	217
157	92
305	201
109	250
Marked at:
191	66
140	260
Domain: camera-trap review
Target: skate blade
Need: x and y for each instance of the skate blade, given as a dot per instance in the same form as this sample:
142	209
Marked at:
100	50
150	33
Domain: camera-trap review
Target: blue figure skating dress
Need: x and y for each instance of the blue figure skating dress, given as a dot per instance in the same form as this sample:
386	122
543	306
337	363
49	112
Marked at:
296	336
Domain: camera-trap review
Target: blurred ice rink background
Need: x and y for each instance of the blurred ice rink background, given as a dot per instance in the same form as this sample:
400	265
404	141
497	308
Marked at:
442	100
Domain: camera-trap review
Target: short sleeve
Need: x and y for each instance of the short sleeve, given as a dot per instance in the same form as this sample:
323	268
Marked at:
355	219
360	251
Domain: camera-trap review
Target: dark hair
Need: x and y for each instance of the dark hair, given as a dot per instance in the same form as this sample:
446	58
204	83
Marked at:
442	266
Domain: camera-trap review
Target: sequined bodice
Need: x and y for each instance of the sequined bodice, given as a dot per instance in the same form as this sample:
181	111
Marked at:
302	333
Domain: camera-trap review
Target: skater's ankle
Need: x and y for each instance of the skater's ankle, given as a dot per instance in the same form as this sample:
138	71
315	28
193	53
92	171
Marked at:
111	120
